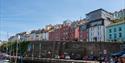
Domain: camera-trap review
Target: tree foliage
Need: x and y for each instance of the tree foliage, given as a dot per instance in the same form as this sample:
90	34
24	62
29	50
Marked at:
11	47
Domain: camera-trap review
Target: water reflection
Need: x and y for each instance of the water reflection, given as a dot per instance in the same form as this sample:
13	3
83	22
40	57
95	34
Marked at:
5	61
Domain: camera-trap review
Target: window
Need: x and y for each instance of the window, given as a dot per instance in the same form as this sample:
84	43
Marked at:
98	27
120	34
120	29
110	36
91	28
115	40
98	33
114	29
115	36
110	30
37	36
91	34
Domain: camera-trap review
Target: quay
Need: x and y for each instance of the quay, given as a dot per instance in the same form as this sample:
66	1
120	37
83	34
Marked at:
47	51
49	60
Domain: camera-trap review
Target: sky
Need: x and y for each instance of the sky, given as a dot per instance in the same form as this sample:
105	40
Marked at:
25	15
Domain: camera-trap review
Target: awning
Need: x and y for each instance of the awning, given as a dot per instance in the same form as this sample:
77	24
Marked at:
123	55
120	53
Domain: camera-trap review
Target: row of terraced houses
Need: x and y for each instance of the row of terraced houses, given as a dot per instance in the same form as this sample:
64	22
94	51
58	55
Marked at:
99	25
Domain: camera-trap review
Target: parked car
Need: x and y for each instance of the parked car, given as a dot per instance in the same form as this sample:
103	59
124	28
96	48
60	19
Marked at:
77	57
67	57
57	56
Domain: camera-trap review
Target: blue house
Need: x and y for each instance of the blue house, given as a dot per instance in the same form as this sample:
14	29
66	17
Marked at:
116	32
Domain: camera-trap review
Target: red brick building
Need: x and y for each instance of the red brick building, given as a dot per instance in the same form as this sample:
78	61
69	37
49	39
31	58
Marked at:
63	33
77	33
67	32
83	32
55	34
83	36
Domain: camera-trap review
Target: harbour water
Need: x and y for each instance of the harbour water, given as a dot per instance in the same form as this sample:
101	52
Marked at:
4	61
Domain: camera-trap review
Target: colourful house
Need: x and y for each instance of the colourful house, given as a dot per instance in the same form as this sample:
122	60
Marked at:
119	14
83	32
116	32
97	22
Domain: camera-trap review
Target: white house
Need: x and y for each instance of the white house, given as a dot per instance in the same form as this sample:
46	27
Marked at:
45	35
98	20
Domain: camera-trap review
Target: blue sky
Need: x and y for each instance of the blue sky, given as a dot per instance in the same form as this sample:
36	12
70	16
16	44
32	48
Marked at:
25	15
